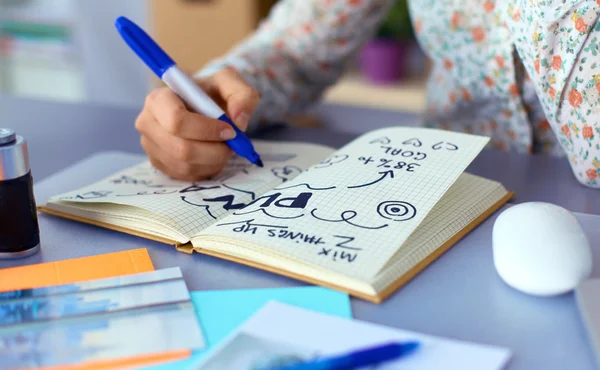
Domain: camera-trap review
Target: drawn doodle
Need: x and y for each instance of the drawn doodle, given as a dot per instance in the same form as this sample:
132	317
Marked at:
249	226
448	146
414	142
251	193
250	222
133	181
344	244
383	174
145	192
194	188
381	140
267	214
299	201
347	216
396	210
334	159
94	194
306	185
228	202
90	195
205	206
286	173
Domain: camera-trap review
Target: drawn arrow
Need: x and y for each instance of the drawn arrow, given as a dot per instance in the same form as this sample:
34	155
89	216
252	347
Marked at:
205	206
384	174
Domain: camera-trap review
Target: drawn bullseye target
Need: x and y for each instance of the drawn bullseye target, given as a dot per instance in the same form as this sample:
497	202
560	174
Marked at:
396	210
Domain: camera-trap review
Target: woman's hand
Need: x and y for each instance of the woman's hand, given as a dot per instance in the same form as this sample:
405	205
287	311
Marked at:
186	145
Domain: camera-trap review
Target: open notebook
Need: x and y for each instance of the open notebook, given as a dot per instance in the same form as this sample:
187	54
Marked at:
363	219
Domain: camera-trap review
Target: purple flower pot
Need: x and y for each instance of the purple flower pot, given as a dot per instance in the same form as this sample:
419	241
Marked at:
382	61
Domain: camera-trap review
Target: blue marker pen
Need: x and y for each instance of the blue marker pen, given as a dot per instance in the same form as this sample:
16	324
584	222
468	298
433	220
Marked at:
186	88
358	359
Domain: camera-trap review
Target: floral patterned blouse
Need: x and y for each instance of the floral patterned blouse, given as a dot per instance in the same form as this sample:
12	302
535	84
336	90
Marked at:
525	73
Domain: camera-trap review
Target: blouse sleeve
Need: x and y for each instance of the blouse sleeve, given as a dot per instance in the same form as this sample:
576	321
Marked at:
300	50
559	44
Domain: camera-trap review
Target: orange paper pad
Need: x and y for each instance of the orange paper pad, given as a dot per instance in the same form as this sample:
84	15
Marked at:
75	270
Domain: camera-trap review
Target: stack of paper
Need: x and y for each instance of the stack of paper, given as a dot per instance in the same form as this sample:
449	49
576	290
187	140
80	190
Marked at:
98	322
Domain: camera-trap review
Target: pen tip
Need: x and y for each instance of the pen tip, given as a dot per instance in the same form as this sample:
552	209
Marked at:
259	163
408	347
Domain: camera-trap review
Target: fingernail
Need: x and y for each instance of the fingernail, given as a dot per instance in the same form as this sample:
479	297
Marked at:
242	120
227	134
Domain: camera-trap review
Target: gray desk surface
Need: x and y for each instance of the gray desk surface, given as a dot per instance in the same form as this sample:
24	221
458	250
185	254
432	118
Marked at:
459	296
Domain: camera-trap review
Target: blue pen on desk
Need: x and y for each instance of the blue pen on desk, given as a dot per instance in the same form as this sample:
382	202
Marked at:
187	89
358	359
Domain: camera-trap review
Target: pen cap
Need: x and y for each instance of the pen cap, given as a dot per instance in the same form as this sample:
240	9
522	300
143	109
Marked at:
144	46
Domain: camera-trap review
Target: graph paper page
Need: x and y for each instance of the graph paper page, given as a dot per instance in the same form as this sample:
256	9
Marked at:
190	207
351	212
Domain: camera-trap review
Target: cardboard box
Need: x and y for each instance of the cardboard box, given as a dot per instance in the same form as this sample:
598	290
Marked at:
197	31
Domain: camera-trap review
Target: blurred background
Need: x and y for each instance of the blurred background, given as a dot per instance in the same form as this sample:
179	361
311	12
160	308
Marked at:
69	51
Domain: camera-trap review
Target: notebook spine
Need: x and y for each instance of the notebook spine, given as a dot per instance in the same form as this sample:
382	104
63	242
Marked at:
186	248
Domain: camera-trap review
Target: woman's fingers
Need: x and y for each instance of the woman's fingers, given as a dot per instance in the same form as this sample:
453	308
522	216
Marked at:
238	98
171	114
177	168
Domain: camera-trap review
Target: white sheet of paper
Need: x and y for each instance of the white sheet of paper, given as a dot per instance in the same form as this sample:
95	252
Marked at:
298	332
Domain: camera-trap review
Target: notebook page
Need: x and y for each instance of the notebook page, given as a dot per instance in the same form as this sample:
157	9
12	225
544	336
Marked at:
351	212
190	207
466	200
